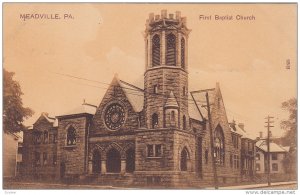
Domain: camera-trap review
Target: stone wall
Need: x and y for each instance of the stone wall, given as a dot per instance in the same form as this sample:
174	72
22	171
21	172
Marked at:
114	94
73	156
167	79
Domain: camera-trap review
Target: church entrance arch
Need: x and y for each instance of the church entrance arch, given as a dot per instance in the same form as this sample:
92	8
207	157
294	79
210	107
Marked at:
96	162
130	160
113	163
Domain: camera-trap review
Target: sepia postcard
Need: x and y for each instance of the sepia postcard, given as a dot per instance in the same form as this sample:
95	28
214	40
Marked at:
138	96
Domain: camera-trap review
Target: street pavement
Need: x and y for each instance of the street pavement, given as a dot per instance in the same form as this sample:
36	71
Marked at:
12	185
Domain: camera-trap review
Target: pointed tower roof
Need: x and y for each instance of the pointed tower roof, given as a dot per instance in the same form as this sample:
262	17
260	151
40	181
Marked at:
171	101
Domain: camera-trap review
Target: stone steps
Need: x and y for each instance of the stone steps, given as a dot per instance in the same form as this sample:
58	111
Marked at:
113	179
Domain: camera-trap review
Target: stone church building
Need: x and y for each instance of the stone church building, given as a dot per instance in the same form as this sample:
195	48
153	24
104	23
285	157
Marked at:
157	134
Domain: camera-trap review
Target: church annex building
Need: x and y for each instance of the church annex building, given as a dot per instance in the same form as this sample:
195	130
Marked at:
152	135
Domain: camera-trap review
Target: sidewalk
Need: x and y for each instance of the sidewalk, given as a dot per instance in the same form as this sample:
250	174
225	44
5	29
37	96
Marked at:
253	186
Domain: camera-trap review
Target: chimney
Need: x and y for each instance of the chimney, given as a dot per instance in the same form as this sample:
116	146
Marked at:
260	134
241	125
232	125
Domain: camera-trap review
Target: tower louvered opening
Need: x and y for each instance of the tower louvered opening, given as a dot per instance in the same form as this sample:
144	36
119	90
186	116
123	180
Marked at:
182	53
156	51
171	50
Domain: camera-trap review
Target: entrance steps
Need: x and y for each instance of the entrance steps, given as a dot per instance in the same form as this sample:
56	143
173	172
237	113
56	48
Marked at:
111	179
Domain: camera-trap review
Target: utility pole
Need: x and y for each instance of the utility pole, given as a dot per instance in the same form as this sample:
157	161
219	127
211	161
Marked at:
268	146
211	143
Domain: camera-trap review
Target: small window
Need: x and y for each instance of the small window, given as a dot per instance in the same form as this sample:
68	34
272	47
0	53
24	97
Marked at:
206	156
183	91
184	122
45	158
54	137
45	137
38	138
154	150
71	136
37	159
231	161
274	156
257	167
155	89
172	115
274	167
54	161
257	156
154	121
150	151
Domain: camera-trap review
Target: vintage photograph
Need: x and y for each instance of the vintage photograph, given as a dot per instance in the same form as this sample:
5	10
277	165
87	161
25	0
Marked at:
150	96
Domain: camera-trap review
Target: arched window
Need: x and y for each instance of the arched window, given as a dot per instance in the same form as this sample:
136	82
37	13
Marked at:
156	50
172	115
154	121
182	53
71	136
183	159
171	50
219	149
184	122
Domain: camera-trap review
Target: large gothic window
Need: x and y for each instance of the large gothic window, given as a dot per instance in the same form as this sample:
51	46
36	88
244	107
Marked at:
171	50
154	121
71	136
182	53
219	148
156	50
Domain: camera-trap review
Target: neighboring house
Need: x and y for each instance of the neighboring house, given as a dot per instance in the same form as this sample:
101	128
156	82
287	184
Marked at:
245	156
10	148
277	156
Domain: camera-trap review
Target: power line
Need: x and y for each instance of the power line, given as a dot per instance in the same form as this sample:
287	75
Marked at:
135	89
138	90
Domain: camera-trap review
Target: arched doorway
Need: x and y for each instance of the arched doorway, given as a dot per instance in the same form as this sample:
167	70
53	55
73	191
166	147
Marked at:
130	160
183	159
62	170
96	162
113	163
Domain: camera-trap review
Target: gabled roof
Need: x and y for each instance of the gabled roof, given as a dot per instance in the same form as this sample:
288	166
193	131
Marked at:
46	116
134	94
262	144
200	103
241	132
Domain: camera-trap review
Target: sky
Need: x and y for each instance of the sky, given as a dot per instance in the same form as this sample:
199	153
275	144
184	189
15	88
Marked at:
247	57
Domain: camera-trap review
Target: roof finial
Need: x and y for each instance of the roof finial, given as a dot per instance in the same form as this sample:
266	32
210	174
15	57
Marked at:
83	101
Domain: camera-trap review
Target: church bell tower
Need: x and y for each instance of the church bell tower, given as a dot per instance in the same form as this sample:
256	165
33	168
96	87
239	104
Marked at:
166	71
